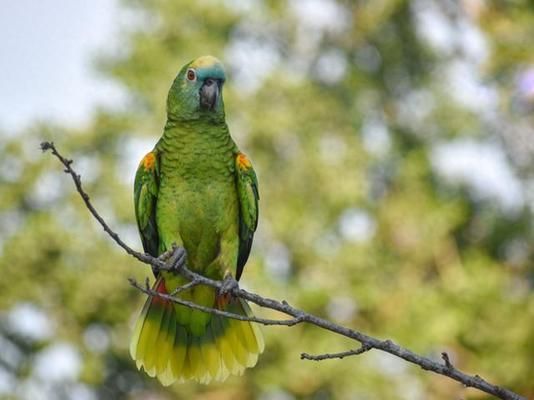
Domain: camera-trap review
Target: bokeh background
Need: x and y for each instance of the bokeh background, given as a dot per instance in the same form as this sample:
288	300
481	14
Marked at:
394	144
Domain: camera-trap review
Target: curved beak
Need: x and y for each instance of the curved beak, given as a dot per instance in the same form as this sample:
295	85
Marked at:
209	94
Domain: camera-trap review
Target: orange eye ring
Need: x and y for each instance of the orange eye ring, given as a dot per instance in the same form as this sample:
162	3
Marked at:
191	75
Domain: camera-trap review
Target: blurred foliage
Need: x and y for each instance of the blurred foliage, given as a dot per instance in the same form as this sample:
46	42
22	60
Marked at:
340	105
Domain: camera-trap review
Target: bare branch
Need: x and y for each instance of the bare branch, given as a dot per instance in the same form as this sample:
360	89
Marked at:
45	146
180	289
328	356
367	342
445	358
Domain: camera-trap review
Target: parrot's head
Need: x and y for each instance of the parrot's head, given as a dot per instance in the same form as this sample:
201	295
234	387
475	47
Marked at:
197	91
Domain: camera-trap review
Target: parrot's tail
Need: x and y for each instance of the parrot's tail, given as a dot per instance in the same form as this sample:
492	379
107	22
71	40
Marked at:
170	351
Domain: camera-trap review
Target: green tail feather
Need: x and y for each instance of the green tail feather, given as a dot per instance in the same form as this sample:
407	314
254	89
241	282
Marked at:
171	352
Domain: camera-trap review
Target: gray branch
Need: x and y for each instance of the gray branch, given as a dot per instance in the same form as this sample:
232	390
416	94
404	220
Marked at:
298	316
329	356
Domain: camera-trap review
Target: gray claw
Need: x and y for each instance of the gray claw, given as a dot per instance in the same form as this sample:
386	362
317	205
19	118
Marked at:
177	260
229	284
165	256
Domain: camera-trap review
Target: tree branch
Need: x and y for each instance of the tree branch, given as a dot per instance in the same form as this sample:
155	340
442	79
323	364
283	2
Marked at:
299	316
328	356
78	183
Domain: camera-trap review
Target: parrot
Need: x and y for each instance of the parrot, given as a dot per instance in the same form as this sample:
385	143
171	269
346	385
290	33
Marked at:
198	191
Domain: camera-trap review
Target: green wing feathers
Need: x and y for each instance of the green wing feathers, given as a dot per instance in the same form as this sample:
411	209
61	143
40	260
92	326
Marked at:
248	196
172	352
145	197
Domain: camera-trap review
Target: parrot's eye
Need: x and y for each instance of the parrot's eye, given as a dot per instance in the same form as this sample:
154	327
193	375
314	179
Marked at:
191	74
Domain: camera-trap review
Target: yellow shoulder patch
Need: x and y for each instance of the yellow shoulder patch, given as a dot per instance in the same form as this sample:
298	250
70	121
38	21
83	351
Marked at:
242	161
149	161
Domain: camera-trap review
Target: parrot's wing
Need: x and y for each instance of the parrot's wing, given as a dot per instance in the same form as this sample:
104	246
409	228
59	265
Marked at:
145	196
247	193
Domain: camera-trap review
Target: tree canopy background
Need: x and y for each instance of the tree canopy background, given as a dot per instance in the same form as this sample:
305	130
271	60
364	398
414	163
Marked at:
393	142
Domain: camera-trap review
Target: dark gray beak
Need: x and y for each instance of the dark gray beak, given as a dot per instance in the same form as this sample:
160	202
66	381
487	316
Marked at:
209	94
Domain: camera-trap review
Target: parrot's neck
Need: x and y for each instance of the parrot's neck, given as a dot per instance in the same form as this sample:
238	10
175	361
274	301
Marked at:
194	135
196	148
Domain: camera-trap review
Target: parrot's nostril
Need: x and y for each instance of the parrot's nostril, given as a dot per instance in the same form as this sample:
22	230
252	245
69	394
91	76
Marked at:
209	82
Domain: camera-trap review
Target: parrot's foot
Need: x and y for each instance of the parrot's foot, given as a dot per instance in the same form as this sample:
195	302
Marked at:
177	258
165	256
225	294
229	284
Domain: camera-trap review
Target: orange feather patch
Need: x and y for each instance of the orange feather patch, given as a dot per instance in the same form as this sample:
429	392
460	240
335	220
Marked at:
243	162
149	161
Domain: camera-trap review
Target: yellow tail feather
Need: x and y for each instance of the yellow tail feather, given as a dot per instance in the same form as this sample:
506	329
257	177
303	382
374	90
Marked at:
168	350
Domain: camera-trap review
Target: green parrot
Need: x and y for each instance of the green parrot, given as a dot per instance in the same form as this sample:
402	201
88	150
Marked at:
198	191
